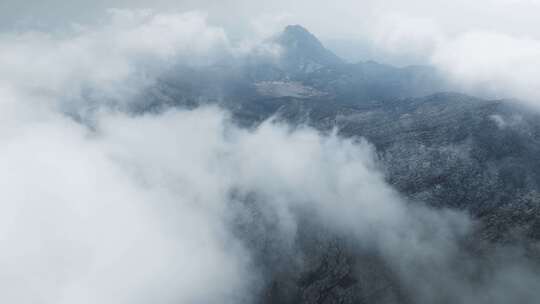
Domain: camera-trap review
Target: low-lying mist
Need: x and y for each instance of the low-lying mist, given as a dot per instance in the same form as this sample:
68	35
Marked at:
140	209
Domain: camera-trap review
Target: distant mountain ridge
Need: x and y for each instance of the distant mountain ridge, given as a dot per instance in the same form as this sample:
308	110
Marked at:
305	69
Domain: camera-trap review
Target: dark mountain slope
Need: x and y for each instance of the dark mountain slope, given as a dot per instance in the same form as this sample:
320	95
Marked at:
444	149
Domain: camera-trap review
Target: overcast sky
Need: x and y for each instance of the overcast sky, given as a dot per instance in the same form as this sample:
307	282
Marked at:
338	18
360	22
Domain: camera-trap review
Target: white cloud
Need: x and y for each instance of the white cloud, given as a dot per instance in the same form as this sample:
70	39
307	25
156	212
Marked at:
139	210
78	226
405	36
504	65
113	60
486	62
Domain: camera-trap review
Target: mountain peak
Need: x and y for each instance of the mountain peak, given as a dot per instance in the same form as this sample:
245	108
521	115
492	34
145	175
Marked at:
303	51
296	29
296	36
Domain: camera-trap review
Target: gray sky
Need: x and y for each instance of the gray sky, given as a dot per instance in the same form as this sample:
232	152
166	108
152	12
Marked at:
338	18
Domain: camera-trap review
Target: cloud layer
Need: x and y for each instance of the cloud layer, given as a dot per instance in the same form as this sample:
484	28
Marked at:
140	210
110	61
